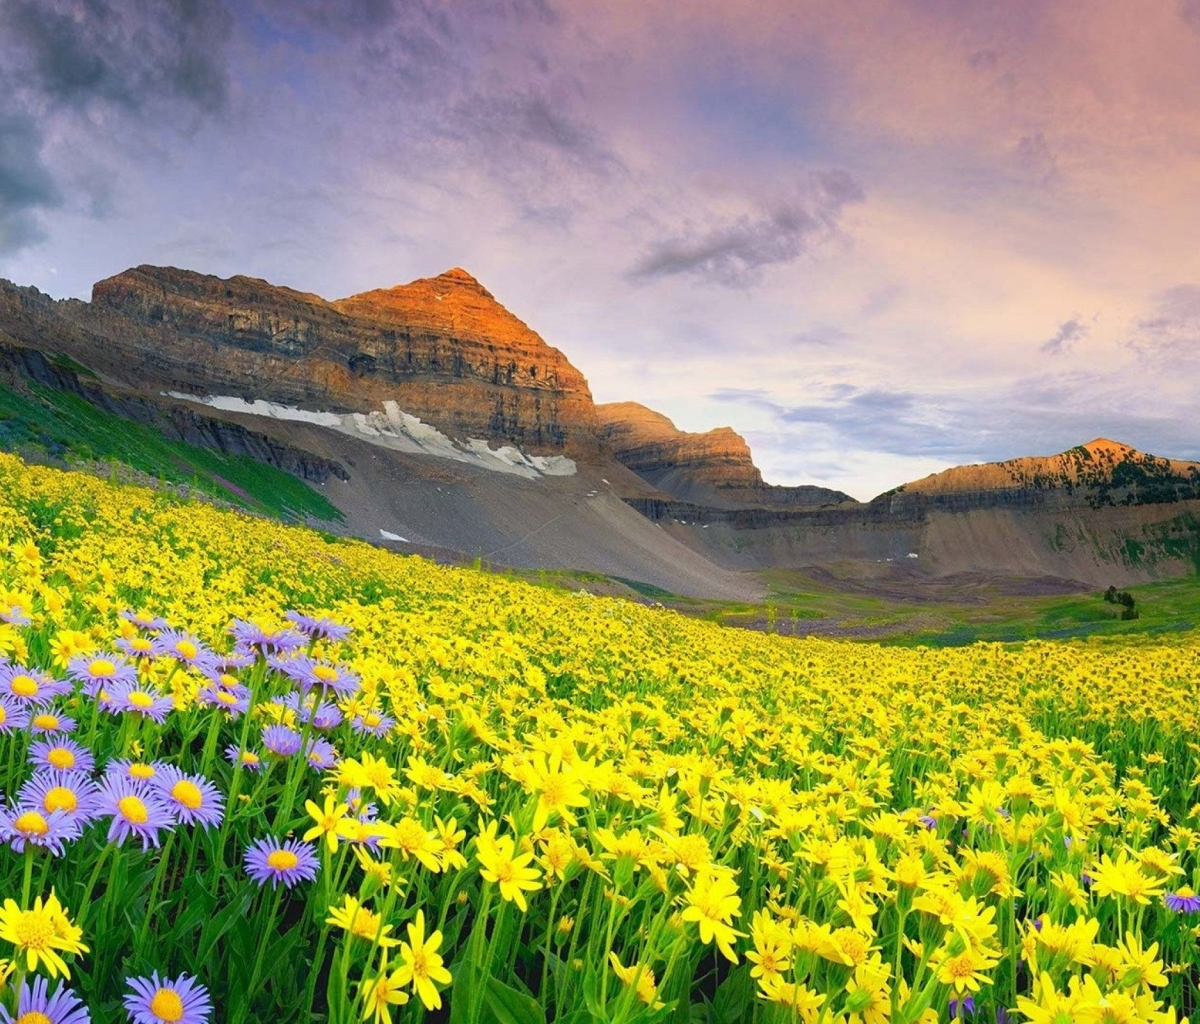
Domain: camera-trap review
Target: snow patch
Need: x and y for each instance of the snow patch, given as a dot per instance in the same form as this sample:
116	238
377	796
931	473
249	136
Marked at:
388	535
393	428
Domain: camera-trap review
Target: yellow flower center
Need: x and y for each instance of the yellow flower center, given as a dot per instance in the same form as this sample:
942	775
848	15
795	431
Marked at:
24	686
282	860
188	794
102	668
225	697
34	931
227	680
166	1005
325	673
140	643
45	721
31	824
141	771
371	719
186	649
62	758
420	964
141	700
59	798
3	715
34	1017
134	809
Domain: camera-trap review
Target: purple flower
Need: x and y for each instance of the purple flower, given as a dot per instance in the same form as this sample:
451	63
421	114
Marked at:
98	671
289	862
136	810
138	771
250	638
157	1000
929	821
193	799
959	1009
248	759
280	740
230	700
141	647
186	649
133	698
31	687
21	826
321	754
1184	901
14	614
62	754
310	674
144	620
71	794
46	722
1086	879
12	715
231	661
376	723
35	1007
319	628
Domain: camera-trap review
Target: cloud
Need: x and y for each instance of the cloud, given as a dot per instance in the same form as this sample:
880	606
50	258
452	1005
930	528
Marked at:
26	184
734	251
1063	339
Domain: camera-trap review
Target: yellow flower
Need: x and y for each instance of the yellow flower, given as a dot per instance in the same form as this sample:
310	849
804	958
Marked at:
422	966
501	864
641	978
412	839
355	919
712	902
558	790
330	822
381	993
41	934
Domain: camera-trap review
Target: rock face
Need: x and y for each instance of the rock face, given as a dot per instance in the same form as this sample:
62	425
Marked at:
442	348
714	467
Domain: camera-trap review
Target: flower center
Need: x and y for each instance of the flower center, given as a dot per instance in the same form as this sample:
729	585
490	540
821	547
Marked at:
31	824
24	686
187	650
282	860
61	757
134	810
45	721
143	701
225	697
34	931
59	798
102	668
34	1017
325	673
188	794
166	1005
141	771
140	643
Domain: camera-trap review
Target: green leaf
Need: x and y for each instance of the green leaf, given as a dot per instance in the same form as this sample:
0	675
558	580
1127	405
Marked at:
734	997
505	1005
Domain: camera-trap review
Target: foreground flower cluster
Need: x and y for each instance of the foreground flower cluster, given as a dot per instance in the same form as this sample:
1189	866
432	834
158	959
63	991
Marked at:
251	772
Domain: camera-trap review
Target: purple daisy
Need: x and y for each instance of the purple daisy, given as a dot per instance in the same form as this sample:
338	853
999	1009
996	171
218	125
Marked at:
156	1000
372	723
321	754
12	715
62	754
136	809
14	614
1183	901
318	627
233	703
929	821
46	722
248	759
71	794
31	687
309	674
232	661
280	740
140	700
141	647
137	771
250	638
289	862
34	1006
193	799
186	649
22	826
144	620
98	671
960	1009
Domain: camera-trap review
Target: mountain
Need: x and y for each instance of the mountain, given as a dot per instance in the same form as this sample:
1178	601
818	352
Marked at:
714	467
442	348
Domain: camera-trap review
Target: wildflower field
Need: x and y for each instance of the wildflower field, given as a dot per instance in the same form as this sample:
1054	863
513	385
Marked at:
255	773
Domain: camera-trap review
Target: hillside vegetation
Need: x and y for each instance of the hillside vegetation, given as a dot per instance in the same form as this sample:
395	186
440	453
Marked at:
510	804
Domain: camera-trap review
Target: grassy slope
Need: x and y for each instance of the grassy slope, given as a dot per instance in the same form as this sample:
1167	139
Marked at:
67	428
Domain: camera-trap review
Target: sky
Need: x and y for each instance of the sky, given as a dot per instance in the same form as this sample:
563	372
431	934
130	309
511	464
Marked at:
876	237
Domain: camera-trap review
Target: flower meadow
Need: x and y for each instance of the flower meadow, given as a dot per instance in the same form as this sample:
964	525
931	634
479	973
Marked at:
252	773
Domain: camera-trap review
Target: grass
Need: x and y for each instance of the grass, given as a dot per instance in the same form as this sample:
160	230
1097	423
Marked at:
69	429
